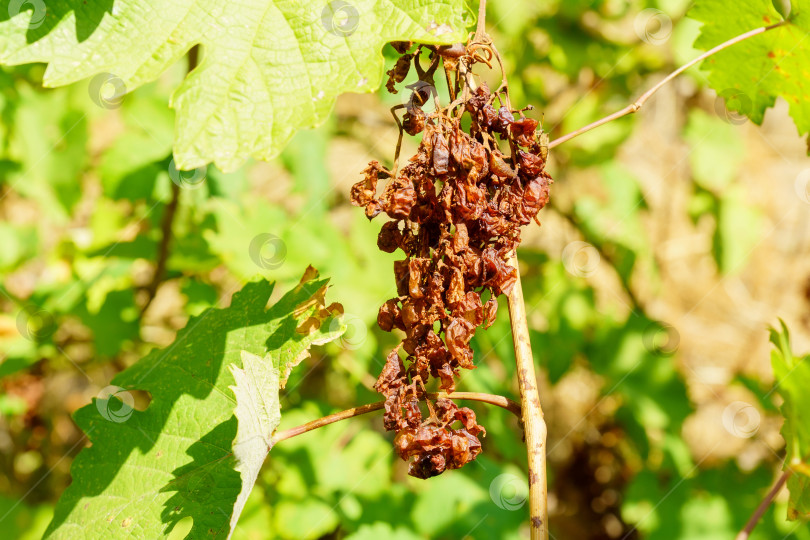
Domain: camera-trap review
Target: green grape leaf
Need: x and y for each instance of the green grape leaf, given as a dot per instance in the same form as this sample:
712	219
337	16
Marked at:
793	380
258	414
267	67
751	74
185	453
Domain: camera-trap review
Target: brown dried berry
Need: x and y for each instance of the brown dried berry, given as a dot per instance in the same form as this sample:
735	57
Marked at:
398	73
456	210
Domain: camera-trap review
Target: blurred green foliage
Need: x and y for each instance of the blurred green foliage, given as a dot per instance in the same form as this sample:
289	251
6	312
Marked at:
83	195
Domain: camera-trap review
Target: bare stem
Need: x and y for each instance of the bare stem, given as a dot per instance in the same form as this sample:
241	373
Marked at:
481	27
168	217
163	248
763	506
499	401
534	425
635	106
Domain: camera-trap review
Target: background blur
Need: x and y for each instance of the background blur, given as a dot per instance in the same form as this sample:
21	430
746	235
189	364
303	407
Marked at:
674	238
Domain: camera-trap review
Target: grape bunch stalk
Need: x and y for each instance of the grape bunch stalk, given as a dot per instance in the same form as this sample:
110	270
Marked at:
455	209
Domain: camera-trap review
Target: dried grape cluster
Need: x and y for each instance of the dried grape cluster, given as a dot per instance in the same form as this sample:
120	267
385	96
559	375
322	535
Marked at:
456	210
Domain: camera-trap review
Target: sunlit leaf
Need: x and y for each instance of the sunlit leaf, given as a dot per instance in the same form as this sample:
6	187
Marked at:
267	67
148	469
750	75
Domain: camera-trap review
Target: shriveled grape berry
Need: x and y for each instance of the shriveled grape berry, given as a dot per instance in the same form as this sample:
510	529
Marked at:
456	209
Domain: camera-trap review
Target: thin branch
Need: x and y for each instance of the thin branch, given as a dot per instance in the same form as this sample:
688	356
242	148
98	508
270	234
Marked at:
763	506
534	425
491	399
326	420
481	26
635	106
163	248
168	217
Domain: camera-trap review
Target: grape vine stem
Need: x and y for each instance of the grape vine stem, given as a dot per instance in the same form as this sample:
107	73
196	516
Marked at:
491	399
167	223
763	506
163	248
636	105
534	424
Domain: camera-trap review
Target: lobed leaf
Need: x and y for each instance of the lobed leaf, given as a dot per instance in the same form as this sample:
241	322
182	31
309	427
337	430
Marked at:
750	75
268	67
148	469
258	414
